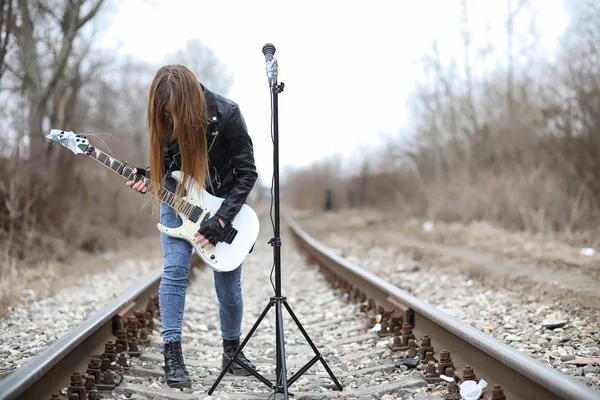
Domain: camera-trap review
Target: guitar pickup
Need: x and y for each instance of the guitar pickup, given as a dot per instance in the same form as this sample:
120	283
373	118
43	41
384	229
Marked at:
230	235
196	213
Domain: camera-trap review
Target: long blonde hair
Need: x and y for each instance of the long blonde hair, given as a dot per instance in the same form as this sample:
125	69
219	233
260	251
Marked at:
186	124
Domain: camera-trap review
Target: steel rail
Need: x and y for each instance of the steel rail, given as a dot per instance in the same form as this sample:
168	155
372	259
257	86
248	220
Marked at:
520	376
45	373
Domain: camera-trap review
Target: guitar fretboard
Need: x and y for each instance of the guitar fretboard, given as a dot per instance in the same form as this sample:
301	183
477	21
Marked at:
191	211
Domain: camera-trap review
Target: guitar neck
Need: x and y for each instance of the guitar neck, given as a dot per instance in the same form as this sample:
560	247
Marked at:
123	170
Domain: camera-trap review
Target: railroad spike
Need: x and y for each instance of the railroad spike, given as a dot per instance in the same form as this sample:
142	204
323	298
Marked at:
133	348
429	358
425	346
90	381
498	393
431	375
453	392
412	348
94	369
397	344
445	361
150	320
469	373
93	394
407	334
122	339
77	387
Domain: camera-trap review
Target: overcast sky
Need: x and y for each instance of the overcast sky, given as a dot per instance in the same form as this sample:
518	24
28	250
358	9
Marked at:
348	66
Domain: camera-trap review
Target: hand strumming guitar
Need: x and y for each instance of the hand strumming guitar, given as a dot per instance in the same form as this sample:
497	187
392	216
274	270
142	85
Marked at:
210	232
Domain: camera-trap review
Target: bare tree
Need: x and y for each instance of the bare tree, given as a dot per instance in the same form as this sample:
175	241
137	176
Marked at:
6	24
46	38
512	13
202	61
470	106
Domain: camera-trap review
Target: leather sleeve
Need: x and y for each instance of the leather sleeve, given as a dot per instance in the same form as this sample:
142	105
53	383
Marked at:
241	152
143	171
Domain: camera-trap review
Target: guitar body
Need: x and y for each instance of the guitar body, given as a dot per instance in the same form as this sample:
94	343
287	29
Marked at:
223	257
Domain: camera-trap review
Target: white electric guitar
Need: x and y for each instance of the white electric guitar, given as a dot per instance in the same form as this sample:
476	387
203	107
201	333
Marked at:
194	208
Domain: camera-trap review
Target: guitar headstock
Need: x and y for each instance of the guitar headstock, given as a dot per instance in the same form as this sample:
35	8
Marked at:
78	144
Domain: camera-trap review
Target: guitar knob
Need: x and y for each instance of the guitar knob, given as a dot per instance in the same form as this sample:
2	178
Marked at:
212	257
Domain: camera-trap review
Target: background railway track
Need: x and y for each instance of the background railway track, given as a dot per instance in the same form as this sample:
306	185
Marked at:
367	363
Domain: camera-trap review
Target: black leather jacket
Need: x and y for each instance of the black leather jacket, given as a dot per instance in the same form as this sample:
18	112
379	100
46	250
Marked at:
232	171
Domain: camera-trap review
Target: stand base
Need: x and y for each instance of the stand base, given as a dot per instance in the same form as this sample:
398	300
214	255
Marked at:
281	372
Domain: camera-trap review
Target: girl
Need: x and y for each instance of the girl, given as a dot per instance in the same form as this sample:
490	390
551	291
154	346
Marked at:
203	135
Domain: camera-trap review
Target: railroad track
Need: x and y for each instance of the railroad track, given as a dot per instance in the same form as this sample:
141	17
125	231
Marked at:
511	373
125	344
48	372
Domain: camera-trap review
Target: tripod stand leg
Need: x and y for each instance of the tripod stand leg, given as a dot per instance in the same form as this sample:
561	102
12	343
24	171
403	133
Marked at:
333	378
281	350
238	351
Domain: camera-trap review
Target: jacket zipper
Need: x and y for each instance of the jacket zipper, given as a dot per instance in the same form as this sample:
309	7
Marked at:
217	177
214	135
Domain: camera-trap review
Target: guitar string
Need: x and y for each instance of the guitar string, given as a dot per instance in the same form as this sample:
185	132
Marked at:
167	196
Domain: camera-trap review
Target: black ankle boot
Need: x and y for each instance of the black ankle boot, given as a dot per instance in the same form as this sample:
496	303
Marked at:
175	372
229	349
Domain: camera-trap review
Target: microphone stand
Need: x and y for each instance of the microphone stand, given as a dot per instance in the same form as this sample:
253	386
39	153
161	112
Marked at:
282	382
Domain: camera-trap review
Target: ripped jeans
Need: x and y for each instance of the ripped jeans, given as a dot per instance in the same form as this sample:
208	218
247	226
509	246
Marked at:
171	293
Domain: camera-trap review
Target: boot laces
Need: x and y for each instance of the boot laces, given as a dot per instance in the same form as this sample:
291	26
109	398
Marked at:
177	357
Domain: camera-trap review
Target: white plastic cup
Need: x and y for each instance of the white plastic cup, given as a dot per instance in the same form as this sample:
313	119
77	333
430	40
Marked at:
471	390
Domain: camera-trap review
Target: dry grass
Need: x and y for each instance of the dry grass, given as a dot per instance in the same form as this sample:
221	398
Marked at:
68	264
519	247
45	278
66	201
533	201
41	281
9	286
499	258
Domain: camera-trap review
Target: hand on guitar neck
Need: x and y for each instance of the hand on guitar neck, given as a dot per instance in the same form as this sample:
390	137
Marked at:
141	187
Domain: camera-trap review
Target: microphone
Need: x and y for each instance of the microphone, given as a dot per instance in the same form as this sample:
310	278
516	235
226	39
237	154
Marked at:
270	63
268	50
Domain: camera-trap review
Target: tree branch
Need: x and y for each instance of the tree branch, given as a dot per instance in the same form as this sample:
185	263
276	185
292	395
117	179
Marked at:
31	76
6	26
47	10
69	24
13	71
90	15
12	89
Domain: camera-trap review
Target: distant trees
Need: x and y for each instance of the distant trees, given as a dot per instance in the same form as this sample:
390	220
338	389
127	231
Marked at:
47	64
202	61
6	28
57	76
518	144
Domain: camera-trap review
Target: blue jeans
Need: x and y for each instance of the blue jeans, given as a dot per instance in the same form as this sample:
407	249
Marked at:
171	293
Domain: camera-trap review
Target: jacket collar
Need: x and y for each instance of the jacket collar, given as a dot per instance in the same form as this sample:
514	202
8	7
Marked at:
211	105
